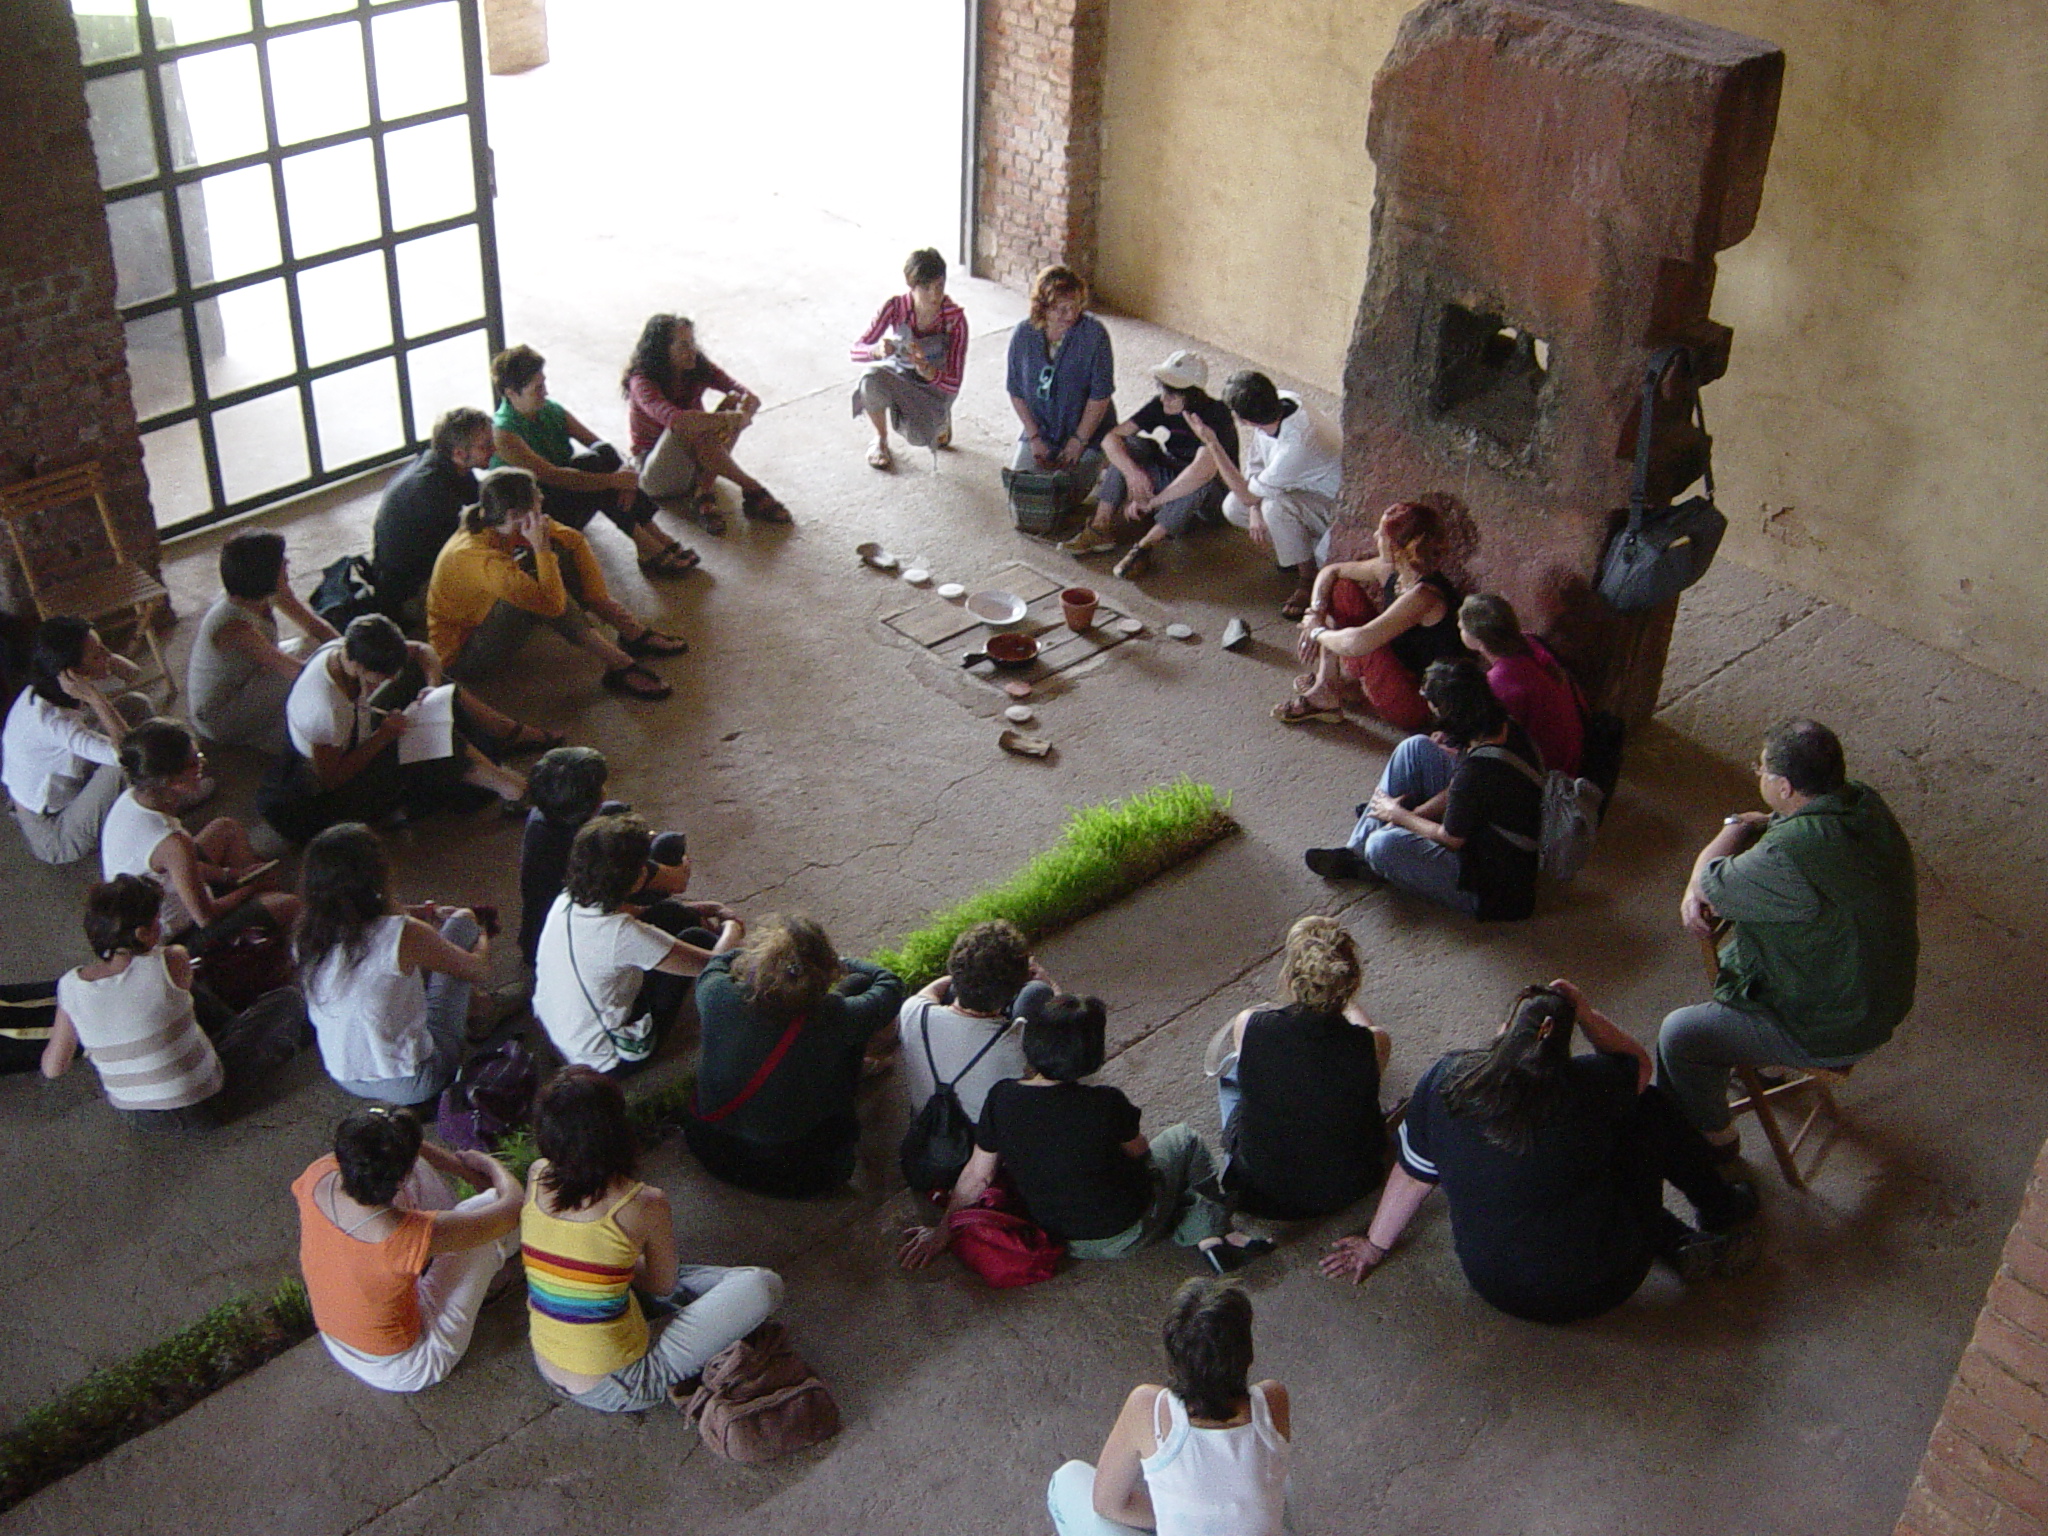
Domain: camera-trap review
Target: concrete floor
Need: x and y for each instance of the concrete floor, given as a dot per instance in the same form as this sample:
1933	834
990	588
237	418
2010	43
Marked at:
821	763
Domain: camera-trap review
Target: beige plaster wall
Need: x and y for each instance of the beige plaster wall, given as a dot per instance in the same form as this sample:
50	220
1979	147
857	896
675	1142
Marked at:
1886	413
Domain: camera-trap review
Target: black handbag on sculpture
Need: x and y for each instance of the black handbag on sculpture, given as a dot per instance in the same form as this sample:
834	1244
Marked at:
1661	551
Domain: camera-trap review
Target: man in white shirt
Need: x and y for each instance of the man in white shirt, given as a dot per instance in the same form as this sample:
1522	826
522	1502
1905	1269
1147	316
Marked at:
1284	493
967	1018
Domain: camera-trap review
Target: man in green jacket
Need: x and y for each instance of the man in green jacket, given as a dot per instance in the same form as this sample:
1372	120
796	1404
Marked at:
1818	962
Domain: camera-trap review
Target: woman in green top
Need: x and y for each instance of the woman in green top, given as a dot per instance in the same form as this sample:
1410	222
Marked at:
579	475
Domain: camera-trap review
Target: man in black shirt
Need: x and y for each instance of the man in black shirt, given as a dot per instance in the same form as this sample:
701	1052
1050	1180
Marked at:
422	507
1175	482
1458	826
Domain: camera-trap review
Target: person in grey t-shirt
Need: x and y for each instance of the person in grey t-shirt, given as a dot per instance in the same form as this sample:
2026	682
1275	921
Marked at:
988	986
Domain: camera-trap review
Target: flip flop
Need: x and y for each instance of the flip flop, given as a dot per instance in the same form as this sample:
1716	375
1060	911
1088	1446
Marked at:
879	457
1298	711
652	642
636	682
1295	608
673	561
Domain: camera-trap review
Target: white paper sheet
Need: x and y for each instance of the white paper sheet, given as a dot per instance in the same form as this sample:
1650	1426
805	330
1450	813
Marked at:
432	736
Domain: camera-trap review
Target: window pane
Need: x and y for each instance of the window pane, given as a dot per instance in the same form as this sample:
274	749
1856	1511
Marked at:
356	414
142	249
262	444
419	61
158	370
440	281
216	107
344	308
447	374
429	172
316	83
255	341
176	467
330	198
277	12
106	29
198	21
230	224
121	134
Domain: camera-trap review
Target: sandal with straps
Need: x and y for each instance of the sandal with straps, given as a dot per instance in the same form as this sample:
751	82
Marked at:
636	682
704	507
653	642
760	505
672	561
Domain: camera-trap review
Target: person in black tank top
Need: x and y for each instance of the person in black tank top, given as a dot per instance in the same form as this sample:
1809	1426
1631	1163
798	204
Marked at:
1300	1091
1374	626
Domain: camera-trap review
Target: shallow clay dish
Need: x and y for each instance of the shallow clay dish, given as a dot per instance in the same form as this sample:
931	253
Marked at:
1017	690
1130	626
1018	714
917	575
1179	632
952	591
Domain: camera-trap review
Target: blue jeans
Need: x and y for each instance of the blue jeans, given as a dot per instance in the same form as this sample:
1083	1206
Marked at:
1696	1046
1419	769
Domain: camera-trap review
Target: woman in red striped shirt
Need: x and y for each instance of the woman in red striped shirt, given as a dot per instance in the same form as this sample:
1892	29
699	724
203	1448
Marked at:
918	348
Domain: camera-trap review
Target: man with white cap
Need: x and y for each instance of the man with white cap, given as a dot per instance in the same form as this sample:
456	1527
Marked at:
1285	493
1173	482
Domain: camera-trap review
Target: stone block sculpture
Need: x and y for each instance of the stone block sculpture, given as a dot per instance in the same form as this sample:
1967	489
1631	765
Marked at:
1554	180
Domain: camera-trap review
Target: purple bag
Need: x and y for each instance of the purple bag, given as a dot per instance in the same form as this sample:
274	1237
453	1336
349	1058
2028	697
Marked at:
491	1097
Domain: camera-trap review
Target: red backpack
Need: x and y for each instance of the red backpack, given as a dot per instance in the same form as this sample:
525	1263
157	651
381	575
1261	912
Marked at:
1006	1248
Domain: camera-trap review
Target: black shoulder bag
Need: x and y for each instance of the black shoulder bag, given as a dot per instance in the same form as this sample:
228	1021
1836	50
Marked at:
1663	550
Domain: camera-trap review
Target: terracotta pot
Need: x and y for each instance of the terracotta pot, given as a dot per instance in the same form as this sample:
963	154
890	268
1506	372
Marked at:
1078	604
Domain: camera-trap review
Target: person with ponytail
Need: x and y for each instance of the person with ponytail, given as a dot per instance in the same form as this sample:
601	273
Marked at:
133	1011
1554	1168
213	882
785	1021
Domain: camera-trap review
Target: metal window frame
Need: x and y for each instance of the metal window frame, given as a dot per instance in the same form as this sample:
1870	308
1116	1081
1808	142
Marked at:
150	60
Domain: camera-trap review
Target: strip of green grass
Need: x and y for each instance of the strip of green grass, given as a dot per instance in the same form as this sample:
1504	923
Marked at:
1106	852
146	1389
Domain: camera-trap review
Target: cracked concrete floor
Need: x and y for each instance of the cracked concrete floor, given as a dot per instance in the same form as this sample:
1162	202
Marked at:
822	762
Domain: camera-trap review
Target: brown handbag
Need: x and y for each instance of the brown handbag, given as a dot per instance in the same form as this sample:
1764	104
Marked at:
760	1400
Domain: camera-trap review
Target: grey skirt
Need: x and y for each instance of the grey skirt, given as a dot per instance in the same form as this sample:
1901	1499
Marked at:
917	409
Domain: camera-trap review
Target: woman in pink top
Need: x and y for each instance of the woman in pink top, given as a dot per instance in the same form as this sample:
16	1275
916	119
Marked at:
681	448
1531	684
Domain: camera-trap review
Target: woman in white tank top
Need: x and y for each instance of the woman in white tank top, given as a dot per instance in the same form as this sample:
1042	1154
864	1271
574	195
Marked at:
1205	1455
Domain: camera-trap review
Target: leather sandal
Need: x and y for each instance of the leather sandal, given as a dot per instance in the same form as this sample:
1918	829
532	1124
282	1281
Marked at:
710	516
760	505
636	682
673	561
652	642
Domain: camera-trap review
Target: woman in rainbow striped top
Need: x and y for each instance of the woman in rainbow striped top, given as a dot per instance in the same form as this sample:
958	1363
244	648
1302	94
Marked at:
596	1240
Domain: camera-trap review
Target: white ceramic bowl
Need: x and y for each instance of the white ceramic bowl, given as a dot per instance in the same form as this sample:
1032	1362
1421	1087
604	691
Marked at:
997	609
952	591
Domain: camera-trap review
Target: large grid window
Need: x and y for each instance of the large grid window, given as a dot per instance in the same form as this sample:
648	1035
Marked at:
298	193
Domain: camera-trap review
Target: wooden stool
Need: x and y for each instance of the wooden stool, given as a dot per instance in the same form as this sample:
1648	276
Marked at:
1757	1095
1757	1099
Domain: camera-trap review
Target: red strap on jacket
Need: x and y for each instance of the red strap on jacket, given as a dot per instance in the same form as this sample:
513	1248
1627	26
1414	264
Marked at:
761	1075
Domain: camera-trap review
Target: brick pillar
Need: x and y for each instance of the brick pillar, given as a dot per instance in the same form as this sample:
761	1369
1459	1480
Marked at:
1986	1470
1040	139
64	395
515	35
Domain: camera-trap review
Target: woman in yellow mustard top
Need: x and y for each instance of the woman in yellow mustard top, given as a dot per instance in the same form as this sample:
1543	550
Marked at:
483	599
596	1241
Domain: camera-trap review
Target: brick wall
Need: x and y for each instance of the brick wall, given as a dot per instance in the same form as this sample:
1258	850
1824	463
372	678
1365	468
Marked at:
64	394
515	35
1040	136
1986	1470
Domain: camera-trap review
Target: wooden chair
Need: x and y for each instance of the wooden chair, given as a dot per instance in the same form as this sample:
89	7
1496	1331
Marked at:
1760	1097
125	592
